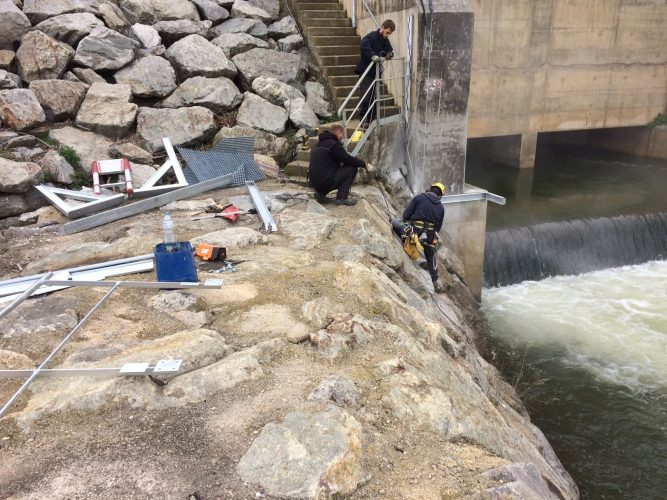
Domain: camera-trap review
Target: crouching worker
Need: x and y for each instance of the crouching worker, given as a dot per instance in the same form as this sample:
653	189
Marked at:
424	216
332	168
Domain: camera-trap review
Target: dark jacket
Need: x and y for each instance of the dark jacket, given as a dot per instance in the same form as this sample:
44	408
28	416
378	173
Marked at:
326	157
426	207
372	45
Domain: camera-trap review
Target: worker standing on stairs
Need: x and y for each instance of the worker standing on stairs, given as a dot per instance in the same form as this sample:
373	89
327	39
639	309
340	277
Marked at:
374	48
333	168
424	216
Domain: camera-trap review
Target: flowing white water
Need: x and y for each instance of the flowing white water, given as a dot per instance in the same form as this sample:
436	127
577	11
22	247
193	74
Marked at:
612	323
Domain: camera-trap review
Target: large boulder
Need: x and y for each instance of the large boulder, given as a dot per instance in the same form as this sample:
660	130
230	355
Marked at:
114	17
6	58
146	35
196	56
18	177
264	62
57	167
69	28
290	43
88	146
59	99
259	113
105	49
300	114
217	94
41	57
270	6
9	80
170	31
282	28
184	126
16	204
87	75
107	110
150	76
208	9
275	91
153	11
13	23
20	109
236	25
317	99
265	142
237	43
241	8
41	10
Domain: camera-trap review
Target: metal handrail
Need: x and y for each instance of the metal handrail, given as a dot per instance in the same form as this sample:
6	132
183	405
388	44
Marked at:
354	89
368	9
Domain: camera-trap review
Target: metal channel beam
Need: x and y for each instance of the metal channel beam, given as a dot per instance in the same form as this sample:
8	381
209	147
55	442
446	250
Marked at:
144	205
17	301
481	196
162	367
269	224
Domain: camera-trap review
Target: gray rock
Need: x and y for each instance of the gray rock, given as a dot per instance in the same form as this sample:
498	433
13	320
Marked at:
25	154
217	94
265	143
241	8
13	23
170	31
236	25
210	10
107	110
71	77
342	334
150	76
300	114
185	126
269	63
267	165
238	237
317	99
114	17
517	480
237	43
130	151
41	316
9	80
290	43
275	91
41	10
171	301
196	56
105	49
57	167
259	113
259	30
146	35
339	390
153	11
16	204
307	456
88	146
59	99
10	360
6	59
20	109
282	28
88	76
227	4
40	57
18	177
272	7
371	240
306	230
69	28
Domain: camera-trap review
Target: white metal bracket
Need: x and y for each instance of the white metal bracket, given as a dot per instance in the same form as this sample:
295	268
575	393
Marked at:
93	202
149	188
267	219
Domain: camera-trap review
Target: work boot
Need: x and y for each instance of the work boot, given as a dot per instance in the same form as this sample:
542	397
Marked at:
424	265
439	287
322	198
346	201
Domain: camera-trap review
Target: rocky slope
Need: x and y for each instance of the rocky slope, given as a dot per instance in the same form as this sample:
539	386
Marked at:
323	367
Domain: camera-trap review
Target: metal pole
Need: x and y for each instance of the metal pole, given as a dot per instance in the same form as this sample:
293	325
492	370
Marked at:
24	295
354	13
377	93
55	351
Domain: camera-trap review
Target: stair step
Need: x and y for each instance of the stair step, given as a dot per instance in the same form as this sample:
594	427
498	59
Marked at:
340	60
339	70
319	6
298	168
330	31
344	90
338	50
322	14
338	41
343	80
329	22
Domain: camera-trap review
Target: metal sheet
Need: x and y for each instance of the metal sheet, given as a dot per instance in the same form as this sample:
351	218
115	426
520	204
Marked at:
167	366
134	368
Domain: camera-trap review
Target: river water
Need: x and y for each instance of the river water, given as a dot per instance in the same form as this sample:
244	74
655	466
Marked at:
587	350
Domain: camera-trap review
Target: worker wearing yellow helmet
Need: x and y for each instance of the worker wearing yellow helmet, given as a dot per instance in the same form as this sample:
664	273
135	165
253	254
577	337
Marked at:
424	216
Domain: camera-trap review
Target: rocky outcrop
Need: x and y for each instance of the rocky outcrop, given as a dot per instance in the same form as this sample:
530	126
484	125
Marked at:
184	126
196	56
107	110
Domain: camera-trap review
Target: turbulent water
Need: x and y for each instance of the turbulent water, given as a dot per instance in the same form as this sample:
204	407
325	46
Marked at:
589	355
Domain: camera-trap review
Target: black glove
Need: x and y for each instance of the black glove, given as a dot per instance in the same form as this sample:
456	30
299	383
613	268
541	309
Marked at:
390	55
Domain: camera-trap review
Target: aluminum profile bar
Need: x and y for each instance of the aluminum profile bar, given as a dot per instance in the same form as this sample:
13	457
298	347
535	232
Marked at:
93	202
208	284
149	187
162	367
267	219
55	351
17	301
144	205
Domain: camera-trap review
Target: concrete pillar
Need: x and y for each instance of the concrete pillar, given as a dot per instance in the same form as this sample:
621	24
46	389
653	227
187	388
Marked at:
439	119
516	151
527	150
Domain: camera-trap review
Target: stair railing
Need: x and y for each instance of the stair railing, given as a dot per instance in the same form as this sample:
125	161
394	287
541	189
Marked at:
368	9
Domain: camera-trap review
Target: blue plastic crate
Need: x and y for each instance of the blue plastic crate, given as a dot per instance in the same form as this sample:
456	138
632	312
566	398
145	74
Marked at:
175	262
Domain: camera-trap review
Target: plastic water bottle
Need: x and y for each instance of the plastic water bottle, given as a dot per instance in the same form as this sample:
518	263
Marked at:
168	226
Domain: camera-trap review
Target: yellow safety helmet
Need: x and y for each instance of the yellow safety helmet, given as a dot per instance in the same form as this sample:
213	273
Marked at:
440	186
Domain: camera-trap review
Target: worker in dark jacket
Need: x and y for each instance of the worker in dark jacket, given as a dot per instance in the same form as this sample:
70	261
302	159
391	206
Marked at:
332	168
424	216
374	47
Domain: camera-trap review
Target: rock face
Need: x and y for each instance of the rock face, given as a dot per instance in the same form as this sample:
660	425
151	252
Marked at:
306	456
59	99
40	57
107	110
69	28
196	56
20	109
217	94
13	22
184	126
237	43
264	62
259	113
18	177
150	76
105	49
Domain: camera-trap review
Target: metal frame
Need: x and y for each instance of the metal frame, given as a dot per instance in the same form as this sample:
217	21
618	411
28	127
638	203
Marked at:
95	202
149	188
269	224
144	205
128	369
